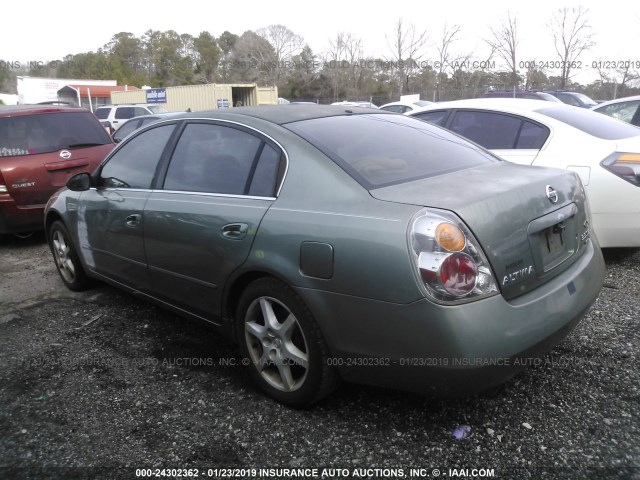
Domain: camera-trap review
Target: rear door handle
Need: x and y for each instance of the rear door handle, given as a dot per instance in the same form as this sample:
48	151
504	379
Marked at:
235	231
133	220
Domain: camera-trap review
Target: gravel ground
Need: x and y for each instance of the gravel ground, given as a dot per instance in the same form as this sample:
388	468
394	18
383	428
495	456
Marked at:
98	384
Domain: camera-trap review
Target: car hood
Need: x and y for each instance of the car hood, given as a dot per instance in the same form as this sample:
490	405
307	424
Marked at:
508	211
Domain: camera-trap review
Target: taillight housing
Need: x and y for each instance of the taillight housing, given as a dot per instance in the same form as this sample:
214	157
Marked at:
3	185
449	262
624	165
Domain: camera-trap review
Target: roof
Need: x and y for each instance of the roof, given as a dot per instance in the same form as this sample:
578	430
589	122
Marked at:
281	114
96	91
8	110
500	104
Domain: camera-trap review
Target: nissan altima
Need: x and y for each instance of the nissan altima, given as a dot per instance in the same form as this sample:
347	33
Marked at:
337	243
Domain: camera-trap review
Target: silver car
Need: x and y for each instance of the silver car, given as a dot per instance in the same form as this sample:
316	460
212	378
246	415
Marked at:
337	243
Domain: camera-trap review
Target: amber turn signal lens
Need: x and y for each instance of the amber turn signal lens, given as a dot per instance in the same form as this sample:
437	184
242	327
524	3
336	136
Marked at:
450	237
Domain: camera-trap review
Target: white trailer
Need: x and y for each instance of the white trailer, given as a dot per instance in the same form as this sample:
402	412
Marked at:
38	89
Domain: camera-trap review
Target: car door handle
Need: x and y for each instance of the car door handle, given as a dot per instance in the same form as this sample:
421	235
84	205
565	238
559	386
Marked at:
133	220
235	231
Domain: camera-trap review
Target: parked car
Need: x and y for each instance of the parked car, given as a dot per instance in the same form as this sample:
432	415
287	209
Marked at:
572	98
403	106
605	153
530	95
625	109
419	271
40	148
356	103
135	123
117	115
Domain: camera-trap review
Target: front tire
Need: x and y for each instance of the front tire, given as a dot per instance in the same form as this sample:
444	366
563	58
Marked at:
66	258
287	353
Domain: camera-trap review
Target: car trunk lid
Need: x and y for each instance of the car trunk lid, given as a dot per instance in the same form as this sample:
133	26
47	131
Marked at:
530	221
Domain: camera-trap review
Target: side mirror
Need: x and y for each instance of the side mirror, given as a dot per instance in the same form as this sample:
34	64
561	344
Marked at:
79	182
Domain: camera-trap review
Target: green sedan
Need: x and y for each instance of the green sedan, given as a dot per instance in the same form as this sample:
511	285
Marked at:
337	243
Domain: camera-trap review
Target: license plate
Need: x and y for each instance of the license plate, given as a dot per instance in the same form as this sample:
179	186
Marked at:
553	239
554	246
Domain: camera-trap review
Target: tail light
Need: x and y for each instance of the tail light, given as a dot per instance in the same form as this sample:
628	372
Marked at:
624	165
3	185
449	261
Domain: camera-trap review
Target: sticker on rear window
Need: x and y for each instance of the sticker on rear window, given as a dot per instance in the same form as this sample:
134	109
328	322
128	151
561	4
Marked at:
10	152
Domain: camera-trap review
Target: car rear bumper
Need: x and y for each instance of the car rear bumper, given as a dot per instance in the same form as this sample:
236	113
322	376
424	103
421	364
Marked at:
454	350
14	219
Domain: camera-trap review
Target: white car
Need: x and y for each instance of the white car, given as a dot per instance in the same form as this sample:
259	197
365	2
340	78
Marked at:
404	106
604	152
625	109
356	103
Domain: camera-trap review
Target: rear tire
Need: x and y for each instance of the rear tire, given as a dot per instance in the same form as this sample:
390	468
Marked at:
287	354
66	258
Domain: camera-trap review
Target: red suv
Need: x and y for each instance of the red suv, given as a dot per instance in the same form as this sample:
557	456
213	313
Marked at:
40	148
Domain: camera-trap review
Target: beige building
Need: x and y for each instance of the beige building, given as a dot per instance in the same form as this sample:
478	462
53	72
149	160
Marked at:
201	97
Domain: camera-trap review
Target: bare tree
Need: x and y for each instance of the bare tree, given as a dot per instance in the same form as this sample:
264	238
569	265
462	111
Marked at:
406	48
504	42
285	44
446	59
572	36
344	52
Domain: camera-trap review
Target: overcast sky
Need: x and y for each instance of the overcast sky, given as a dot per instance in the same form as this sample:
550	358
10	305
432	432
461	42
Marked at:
32	30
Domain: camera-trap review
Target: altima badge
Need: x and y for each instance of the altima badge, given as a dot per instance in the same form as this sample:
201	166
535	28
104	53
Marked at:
67	154
552	194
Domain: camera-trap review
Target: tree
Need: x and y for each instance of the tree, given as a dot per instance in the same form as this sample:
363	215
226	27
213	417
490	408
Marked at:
252	60
127	59
445	57
406	49
504	42
572	36
226	42
207	56
285	45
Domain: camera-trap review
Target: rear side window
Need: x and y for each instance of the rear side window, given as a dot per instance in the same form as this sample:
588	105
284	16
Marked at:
102	113
599	126
126	112
497	131
214	158
134	164
437	118
50	132
379	150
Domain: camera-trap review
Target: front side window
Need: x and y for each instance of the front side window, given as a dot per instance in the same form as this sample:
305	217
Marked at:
213	158
134	164
622	111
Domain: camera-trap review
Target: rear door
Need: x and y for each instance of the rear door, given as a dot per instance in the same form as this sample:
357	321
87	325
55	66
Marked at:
199	228
39	152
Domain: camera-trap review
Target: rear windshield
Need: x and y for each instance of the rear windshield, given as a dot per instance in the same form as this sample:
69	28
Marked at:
49	132
599	126
381	150
157	109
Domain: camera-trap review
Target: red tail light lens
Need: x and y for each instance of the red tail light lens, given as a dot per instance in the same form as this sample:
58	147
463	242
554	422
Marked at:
459	274
449	261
